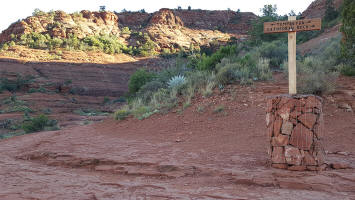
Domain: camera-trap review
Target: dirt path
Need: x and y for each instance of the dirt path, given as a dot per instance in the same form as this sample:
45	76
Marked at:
188	155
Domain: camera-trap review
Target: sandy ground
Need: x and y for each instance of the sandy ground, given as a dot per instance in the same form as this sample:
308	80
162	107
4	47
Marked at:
181	155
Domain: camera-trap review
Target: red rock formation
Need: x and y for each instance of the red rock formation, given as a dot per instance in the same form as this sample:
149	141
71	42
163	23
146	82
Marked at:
317	8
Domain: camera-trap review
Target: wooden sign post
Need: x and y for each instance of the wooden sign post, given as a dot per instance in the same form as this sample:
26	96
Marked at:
292	26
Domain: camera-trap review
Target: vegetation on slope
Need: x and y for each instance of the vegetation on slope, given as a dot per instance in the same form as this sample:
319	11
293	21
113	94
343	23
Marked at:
241	63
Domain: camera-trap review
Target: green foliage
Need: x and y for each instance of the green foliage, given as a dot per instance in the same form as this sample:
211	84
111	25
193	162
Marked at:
177	81
347	70
269	10
275	51
89	112
244	69
218	109
209	62
314	78
122	114
330	12
37	12
125	30
14	85
257	35
35	124
348	30
147	90
138	79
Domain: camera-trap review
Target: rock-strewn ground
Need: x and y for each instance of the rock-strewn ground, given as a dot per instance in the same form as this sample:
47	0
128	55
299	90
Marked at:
180	156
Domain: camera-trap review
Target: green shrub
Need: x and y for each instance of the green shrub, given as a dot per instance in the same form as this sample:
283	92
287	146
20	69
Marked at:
209	62
147	90
138	79
348	30
122	114
276	52
125	30
35	124
14	85
37	12
218	109
347	70
314	77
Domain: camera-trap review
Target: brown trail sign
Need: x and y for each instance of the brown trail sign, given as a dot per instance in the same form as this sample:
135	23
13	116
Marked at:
292	26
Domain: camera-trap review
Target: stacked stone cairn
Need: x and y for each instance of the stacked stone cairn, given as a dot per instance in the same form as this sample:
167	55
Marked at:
294	130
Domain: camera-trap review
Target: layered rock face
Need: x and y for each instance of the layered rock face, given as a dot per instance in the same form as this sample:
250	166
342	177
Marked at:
294	130
168	28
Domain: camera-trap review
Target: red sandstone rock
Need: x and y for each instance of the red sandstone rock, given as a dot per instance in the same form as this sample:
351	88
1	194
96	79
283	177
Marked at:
297	168
280	140
278	155
308	159
301	137
308	119
293	155
269	132
283	101
277	126
340	165
295	114
269	105
287	128
313	102
280	166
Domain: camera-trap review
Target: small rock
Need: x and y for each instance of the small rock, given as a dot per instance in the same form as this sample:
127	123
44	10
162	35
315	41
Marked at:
277	126
278	155
297	168
340	166
293	155
309	159
280	166
287	128
280	140
343	153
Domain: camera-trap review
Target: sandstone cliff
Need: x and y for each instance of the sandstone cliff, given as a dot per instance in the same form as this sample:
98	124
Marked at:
168	28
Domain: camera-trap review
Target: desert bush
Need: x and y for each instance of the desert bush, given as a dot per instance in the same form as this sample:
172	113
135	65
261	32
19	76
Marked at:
347	70
122	113
315	77
209	62
14	85
275	51
37	12
245	69
35	124
147	90
348	30
125	30
138	79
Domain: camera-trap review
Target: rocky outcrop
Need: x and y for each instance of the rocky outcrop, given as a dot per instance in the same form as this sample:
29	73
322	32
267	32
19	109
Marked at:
60	24
318	7
166	17
168	28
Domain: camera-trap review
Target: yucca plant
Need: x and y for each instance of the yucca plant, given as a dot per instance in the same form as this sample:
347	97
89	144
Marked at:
177	81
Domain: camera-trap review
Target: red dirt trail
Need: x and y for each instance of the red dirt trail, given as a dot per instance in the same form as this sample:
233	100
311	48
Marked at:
181	155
